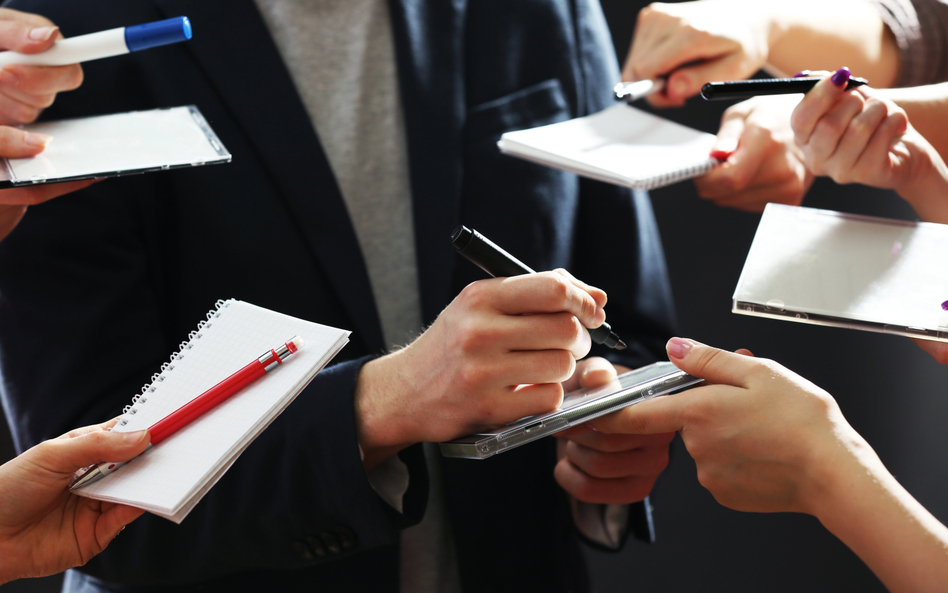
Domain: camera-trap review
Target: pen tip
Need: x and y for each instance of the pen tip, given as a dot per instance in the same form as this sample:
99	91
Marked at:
620	345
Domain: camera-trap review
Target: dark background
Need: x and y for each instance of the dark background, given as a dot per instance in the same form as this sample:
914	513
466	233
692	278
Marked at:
894	394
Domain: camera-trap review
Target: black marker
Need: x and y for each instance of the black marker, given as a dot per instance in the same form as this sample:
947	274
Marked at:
745	89
487	256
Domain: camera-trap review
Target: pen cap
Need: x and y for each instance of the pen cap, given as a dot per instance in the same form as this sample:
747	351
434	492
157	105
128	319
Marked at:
158	33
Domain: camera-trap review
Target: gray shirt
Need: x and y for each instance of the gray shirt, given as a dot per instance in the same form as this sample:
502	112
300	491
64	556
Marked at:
920	28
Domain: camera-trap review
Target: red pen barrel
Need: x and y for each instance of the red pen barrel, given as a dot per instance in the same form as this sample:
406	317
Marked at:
204	402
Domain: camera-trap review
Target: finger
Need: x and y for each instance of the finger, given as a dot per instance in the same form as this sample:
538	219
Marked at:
595	372
828	132
615	443
26	32
890	131
546	292
744	352
537	366
684	83
10	216
644	461
37	194
741	167
544	331
68	455
601	490
597	294
113	521
788	191
856	140
36	85
654	416
816	103
729	135
526	400
938	350
18	144
711	364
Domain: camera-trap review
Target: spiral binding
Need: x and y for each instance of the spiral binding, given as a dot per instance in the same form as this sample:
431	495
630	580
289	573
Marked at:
670	177
140	398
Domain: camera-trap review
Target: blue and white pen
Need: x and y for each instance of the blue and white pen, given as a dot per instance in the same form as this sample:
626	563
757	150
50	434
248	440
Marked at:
105	44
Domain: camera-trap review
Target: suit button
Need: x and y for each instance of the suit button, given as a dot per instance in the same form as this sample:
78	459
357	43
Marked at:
316	546
303	550
332	544
347	538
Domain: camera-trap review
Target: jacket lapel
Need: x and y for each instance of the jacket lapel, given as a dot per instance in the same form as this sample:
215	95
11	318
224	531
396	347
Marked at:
235	50
428	42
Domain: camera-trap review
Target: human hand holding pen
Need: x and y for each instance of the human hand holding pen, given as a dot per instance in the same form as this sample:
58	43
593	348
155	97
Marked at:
497	353
43	528
24	92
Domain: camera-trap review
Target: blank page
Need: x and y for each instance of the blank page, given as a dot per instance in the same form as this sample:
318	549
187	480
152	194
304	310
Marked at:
119	144
620	145
165	477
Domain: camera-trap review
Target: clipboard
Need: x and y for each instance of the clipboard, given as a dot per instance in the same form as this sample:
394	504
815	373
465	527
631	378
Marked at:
579	406
116	145
844	270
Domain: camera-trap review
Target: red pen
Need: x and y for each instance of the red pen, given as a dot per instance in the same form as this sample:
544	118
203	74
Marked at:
190	411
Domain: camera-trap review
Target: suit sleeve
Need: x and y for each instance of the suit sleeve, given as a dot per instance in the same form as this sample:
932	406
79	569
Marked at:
87	315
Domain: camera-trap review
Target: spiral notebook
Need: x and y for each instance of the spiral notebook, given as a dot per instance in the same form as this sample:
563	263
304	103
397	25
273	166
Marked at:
173	476
621	145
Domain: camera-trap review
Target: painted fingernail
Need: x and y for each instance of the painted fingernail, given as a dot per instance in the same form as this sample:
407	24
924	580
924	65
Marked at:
801	74
679	347
9	78
35	140
42	33
132	438
944	306
841	77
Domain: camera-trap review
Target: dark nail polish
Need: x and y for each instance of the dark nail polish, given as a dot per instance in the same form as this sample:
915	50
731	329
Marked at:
945	305
801	74
841	77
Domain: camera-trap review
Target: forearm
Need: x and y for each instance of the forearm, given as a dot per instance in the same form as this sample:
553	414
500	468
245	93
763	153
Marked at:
866	508
819	35
926	107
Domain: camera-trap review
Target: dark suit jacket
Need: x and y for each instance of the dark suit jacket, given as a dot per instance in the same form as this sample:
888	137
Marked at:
98	288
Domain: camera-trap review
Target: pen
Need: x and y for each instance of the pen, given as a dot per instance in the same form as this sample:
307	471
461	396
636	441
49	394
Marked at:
743	89
487	256
181	417
633	91
105	44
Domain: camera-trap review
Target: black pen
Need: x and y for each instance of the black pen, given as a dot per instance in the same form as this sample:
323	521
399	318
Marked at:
487	256
745	89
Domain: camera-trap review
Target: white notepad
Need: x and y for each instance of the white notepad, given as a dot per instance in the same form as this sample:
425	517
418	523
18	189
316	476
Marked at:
621	145
173	476
115	145
844	270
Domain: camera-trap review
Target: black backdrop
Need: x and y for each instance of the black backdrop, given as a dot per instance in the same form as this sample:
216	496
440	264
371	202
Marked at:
891	392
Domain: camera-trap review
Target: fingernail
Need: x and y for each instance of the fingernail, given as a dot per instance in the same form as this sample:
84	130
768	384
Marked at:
944	306
9	78
43	33
841	77
132	438
36	140
721	155
801	74
679	347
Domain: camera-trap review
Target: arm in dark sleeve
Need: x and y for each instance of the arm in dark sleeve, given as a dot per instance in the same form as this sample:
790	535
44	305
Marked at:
84	322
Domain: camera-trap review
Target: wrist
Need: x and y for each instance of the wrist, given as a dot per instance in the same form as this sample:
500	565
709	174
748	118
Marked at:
835	473
926	188
381	429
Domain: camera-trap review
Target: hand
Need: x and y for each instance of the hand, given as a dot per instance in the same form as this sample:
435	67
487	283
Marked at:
695	42
607	468
938	350
763	164
860	137
764	439
26	90
44	529
497	353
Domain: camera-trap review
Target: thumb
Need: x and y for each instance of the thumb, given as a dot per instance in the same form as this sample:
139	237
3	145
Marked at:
17	144
66	455
27	33
729	135
710	364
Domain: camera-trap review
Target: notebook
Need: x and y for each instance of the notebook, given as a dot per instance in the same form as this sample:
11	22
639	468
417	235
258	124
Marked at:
843	270
171	477
621	145
115	145
578	407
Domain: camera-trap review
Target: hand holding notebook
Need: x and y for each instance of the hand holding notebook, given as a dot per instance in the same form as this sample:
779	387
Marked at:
170	478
